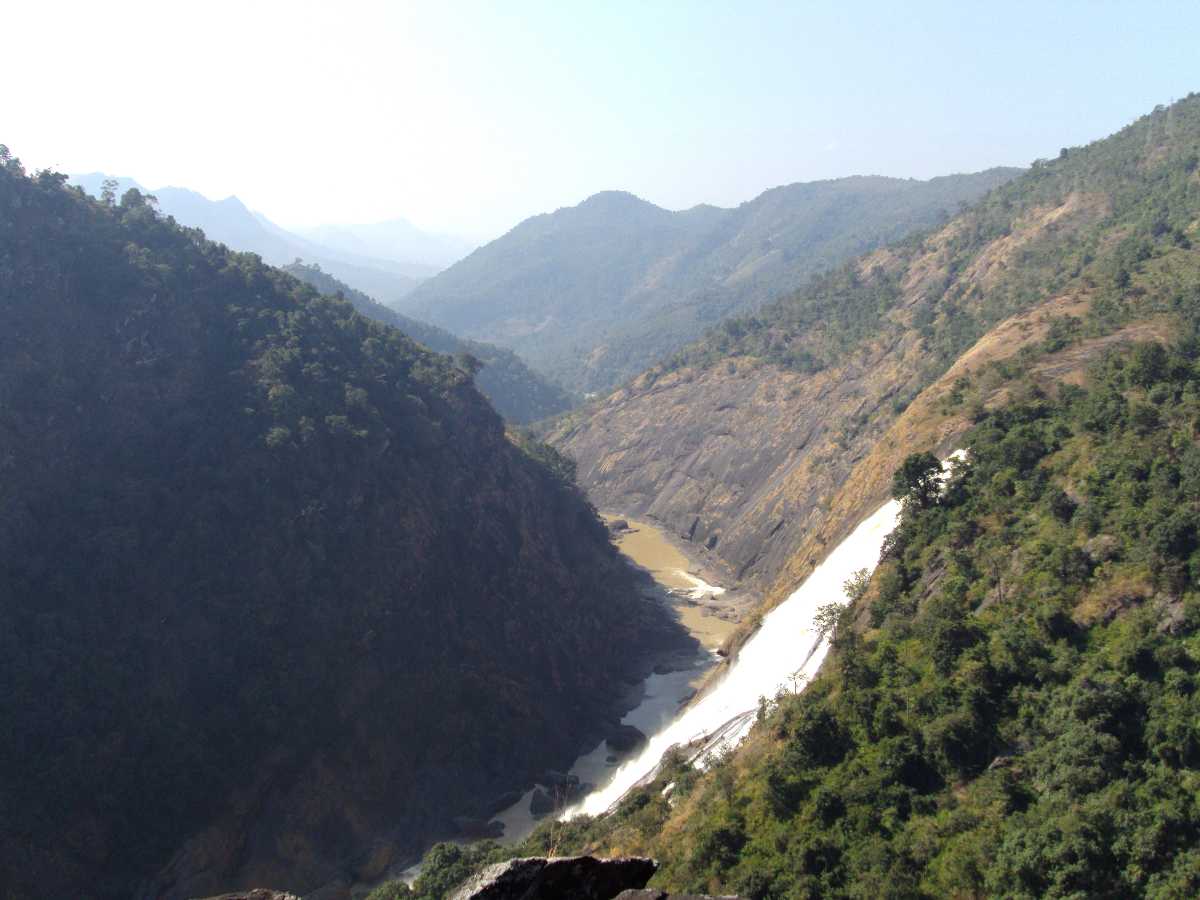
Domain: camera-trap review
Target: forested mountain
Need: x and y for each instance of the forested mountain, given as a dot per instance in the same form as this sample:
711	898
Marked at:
1010	706
593	294
264	567
518	394
231	223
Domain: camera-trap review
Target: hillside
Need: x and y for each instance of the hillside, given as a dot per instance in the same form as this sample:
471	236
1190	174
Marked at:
593	294
265	564
231	223
518	394
769	438
1011	705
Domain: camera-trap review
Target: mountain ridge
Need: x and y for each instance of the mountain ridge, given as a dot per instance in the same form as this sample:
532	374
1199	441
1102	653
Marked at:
591	294
231	222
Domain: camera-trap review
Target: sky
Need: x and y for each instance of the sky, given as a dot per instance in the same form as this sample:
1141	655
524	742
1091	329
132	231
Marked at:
467	117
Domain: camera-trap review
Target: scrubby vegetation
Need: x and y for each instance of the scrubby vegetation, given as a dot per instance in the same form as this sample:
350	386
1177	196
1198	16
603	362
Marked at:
1115	221
1012	709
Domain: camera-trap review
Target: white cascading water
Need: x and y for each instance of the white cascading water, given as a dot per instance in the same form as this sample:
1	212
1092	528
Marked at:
784	652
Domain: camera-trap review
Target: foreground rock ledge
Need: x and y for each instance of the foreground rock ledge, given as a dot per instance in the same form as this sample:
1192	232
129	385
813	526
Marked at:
578	877
650	894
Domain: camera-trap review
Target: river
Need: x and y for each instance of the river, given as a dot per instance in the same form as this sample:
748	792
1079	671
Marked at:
783	654
696	602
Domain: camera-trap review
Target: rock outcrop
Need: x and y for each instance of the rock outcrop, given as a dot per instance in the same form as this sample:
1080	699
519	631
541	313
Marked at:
625	739
651	894
576	877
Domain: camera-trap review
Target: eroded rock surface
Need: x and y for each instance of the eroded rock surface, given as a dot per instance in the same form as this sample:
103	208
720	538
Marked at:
577	877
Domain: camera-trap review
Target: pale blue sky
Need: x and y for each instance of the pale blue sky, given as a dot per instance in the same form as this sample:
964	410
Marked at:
468	116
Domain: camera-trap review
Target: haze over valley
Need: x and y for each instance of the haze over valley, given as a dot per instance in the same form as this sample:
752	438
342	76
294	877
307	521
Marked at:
770	468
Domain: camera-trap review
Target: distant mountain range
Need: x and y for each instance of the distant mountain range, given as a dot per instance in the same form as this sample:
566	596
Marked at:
386	260
591	295
394	239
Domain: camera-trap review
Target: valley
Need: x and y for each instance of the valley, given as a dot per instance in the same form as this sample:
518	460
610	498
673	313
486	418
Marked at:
799	498
775	448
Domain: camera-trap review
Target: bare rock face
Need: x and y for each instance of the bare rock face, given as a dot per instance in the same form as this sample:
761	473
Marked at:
577	877
738	458
625	739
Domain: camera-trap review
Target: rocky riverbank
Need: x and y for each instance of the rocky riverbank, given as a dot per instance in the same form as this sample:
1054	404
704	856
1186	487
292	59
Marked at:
700	590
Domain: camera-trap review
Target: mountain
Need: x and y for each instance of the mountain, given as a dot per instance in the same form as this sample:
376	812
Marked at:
776	430
280	597
1010	705
1010	708
396	239
231	223
518	394
593	294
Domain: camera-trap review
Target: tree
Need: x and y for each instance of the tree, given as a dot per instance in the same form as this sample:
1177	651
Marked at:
917	482
856	585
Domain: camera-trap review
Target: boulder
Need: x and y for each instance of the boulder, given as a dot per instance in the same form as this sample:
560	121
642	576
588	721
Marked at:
625	738
577	877
540	804
503	802
554	779
477	828
256	894
1102	548
616	526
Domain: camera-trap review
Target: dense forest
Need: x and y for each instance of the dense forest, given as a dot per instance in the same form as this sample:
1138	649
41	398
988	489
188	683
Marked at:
1011	707
264	563
520	395
593	294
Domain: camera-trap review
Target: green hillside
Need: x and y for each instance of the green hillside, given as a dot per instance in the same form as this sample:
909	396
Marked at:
518	394
262	563
1011	710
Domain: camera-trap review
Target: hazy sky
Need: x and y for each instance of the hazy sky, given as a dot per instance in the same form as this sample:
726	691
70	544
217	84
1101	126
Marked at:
469	116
